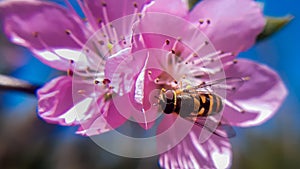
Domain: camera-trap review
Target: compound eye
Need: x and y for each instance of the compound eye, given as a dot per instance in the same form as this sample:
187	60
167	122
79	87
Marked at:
169	95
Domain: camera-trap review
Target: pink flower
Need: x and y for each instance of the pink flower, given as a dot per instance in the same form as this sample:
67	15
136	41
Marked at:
57	35
119	70
252	98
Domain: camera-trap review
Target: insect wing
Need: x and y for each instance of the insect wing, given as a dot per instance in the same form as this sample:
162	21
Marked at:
221	130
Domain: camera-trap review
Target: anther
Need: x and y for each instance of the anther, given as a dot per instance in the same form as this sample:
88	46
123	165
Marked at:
149	72
206	42
201	21
208	21
99	20
71	61
35	34
235	61
106	81
96	82
101	42
104	4
135	4
70	72
139	15
156	80
246	78
173	51
81	91
167	42
68	31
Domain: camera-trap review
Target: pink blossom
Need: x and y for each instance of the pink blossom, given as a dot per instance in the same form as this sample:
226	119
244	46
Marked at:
127	71
56	35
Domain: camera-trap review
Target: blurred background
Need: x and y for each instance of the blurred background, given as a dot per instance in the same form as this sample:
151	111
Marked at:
28	142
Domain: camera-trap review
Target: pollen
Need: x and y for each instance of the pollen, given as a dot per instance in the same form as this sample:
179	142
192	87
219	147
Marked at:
35	34
167	42
246	78
70	72
208	21
99	20
104	4
68	31
110	46
106	81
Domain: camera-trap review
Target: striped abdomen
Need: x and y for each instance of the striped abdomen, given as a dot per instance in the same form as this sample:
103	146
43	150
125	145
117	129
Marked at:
198	104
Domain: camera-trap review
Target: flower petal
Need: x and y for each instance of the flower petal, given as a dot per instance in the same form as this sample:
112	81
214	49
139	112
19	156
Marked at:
172	40
259	97
232	25
42	26
55	99
123	68
110	10
107	119
174	7
190	153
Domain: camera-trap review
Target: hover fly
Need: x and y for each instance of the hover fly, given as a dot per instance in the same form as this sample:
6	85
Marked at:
198	104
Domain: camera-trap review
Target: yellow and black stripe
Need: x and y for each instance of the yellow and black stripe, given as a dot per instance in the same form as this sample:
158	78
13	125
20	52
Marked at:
210	104
187	104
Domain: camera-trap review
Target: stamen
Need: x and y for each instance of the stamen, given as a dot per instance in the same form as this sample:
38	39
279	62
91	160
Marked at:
204	23
208	71
234	106
73	11
197	50
176	43
115	34
36	35
234	62
69	33
149	74
135	4
145	119
88	14
104	31
105	14
167	42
